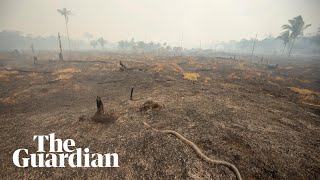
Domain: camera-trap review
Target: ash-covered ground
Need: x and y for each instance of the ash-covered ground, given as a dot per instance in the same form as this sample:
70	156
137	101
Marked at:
263	120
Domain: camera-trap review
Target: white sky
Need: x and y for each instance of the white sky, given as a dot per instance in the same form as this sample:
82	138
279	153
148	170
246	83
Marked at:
159	20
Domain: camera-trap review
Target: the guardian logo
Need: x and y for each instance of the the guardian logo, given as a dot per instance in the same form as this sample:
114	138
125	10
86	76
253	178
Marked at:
61	154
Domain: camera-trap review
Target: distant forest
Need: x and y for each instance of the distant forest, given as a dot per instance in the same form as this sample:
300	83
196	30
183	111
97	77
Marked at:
10	40
271	45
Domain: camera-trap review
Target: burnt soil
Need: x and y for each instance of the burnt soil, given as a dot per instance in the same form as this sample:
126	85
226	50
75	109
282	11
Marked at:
235	111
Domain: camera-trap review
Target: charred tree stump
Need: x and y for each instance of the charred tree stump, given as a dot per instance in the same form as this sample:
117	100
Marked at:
122	66
101	116
100	108
131	94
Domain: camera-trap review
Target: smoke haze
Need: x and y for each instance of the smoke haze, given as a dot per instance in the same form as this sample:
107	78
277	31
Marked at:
171	21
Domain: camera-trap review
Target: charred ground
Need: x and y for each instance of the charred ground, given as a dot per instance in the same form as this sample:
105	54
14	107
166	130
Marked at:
265	122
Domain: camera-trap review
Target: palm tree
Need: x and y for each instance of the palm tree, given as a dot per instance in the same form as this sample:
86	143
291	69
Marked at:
64	12
285	37
296	26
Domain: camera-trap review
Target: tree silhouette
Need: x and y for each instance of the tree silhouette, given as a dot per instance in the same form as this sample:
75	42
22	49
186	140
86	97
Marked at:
101	41
64	12
296	27
93	43
285	37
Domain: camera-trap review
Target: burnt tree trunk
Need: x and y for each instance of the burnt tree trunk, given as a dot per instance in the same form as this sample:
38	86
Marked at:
131	94
122	66
60	54
100	108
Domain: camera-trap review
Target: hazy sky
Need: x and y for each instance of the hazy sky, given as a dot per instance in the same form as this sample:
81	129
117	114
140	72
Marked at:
158	20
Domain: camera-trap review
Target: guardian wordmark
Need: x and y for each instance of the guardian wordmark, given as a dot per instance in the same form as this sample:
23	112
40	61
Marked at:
61	154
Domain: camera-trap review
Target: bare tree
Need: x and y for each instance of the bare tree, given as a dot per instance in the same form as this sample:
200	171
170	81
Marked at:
254	44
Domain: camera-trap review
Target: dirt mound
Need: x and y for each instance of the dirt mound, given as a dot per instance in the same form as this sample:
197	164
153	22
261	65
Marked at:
150	105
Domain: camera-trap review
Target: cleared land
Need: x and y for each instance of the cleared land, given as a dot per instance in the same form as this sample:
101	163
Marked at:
264	122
